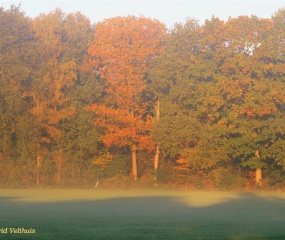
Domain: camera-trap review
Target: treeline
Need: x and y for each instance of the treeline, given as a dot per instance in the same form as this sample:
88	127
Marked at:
127	102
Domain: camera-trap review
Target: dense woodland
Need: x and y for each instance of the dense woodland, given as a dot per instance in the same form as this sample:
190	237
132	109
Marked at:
127	102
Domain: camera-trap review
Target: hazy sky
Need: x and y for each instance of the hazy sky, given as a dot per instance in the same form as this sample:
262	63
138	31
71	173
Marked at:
169	11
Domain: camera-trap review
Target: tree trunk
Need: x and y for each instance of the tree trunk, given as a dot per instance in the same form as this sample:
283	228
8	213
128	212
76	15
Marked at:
156	160
258	176
39	161
134	162
258	173
156	157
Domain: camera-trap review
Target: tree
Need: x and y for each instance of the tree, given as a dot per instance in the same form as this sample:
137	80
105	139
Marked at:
184	79
251	89
120	53
54	73
80	139
17	135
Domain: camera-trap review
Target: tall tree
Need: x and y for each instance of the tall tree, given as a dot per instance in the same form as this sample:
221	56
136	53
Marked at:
17	135
120	53
254	110
54	72
80	139
184	78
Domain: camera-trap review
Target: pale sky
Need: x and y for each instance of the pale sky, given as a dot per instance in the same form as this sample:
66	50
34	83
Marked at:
167	11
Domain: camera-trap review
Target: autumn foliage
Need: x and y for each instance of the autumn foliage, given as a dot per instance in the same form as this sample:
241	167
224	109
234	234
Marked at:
120	53
200	105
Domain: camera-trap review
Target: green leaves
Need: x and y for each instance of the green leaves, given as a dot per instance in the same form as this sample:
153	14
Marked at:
222	93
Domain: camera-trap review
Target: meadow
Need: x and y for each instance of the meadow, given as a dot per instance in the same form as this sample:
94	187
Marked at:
141	214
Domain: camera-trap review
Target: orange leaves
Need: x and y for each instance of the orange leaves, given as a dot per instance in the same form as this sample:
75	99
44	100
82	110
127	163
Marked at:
51	104
245	70
103	160
268	66
248	112
120	53
54	73
182	167
257	111
121	49
123	128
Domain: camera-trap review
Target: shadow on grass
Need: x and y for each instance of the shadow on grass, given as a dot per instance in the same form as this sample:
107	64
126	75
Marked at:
249	216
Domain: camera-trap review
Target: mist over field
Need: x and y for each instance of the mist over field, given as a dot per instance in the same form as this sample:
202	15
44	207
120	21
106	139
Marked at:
140	214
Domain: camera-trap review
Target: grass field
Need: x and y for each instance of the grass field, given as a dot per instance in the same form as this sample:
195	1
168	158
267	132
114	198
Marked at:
141	214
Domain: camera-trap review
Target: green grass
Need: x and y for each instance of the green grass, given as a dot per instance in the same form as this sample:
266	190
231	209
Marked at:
102	214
